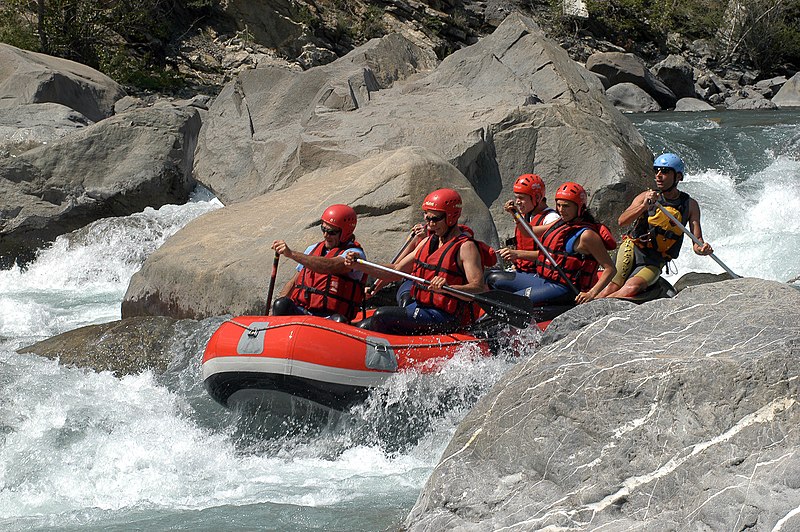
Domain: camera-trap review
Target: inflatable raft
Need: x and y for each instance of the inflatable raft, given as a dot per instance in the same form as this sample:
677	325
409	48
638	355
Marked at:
264	360
253	359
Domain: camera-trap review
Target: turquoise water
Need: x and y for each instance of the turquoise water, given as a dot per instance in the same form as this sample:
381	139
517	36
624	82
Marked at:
81	450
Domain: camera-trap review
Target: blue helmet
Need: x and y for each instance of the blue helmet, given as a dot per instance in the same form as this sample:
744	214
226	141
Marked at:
669	160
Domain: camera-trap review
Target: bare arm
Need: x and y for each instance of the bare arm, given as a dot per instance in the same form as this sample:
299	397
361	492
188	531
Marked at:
327	265
693	223
639	205
590	243
469	258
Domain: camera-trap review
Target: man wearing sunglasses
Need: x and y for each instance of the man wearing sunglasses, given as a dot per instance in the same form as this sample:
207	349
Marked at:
448	255
323	285
654	240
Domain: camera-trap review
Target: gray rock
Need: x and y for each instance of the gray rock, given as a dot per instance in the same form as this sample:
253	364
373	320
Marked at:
709	84
693	104
29	126
698	278
770	87
128	347
113	168
789	95
217	264
679	414
580	316
28	77
749	103
629	98
677	74
628	68
504	106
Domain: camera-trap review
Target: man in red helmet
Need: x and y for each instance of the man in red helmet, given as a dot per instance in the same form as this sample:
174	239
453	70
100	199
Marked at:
578	245
323	285
448	255
529	200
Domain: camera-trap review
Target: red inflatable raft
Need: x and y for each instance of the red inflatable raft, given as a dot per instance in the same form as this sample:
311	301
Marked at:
250	359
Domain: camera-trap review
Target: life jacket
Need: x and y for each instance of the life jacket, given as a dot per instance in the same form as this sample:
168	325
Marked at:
656	233
525	242
339	294
580	269
488	253
434	260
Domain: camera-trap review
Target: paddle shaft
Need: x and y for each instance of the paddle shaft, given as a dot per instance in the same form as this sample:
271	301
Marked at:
272	278
402	249
695	239
529	230
417	279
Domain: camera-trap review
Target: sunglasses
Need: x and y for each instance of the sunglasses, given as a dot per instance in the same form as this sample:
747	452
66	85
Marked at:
662	169
332	231
435	219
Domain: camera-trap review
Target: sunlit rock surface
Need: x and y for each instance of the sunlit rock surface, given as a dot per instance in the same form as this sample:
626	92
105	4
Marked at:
678	414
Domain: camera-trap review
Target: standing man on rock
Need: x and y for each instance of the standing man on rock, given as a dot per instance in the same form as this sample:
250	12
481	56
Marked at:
323	285
654	240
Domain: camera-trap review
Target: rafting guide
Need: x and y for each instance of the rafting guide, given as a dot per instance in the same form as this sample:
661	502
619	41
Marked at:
654	239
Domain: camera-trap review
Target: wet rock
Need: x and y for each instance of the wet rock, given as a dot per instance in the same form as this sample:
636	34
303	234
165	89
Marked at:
692	104
633	421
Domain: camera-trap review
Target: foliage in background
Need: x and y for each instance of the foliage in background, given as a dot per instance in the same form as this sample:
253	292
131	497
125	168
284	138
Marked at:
129	41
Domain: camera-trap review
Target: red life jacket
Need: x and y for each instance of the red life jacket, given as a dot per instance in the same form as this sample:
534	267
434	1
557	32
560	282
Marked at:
580	269
433	260
339	294
488	253
525	242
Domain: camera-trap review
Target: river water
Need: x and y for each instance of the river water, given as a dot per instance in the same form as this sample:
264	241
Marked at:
81	450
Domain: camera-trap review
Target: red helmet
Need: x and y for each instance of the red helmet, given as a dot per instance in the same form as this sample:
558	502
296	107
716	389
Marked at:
573	192
446	200
532	185
343	217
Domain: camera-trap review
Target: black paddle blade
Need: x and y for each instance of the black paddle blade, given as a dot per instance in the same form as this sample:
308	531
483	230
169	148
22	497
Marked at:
516	310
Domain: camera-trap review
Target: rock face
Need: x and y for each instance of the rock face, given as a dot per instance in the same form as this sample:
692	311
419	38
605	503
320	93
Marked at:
679	414
220	262
629	98
512	103
113	168
29	126
28	77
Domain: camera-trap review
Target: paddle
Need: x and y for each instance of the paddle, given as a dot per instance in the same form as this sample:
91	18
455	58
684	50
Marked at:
523	223
272	277
695	240
517	311
409	238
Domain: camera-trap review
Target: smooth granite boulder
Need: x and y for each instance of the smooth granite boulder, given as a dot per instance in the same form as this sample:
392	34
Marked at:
679	414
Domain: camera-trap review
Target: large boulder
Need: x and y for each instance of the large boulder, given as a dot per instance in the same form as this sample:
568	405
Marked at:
512	103
29	77
677	74
116	167
218	263
629	98
29	126
621	67
789	94
679	414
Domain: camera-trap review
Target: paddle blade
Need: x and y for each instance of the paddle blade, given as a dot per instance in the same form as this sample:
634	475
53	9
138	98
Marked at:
516	310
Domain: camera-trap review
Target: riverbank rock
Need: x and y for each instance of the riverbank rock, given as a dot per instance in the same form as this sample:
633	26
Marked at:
629	98
116	167
512	103
29	77
692	105
789	93
127	347
621	67
677	414
219	263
